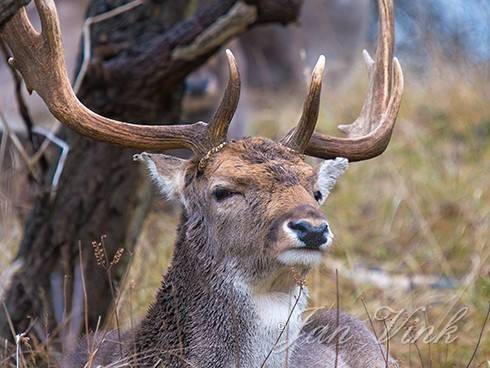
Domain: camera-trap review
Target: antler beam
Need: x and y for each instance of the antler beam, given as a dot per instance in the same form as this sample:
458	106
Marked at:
39	58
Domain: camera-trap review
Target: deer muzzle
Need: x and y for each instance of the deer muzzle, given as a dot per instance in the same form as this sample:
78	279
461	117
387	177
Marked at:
304	236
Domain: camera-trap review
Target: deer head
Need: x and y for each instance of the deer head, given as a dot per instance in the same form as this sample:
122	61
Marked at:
255	198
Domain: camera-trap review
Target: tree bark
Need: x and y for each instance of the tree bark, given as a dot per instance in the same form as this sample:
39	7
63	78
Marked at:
9	8
139	61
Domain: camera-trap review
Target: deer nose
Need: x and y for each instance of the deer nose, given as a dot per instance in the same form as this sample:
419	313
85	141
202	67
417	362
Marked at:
311	235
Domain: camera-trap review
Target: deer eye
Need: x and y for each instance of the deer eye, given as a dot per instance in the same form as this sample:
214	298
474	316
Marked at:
220	194
318	196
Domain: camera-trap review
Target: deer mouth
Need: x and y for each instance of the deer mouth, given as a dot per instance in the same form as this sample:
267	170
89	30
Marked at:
304	256
307	248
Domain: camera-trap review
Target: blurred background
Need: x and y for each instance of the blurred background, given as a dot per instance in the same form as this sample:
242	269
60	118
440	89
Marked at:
412	227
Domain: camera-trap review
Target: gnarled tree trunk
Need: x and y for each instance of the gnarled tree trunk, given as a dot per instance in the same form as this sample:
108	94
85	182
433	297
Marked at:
140	59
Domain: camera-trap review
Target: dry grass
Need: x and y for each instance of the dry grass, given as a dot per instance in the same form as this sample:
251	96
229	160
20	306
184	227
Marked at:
421	212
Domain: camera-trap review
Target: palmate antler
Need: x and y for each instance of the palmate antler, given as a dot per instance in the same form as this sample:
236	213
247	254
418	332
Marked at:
369	135
39	58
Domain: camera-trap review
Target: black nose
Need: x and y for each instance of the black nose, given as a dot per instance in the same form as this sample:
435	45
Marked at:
312	236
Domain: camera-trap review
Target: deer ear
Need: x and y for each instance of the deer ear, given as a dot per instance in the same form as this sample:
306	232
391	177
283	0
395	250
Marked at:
328	173
166	171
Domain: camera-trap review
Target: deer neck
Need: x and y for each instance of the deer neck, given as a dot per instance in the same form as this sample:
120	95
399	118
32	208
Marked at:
209	311
279	302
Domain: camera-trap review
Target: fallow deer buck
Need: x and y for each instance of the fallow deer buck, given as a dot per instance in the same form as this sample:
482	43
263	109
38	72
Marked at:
251	218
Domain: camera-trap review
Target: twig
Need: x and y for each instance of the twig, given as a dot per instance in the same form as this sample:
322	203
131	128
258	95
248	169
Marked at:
31	161
419	354
18	145
84	287
102	258
87	44
23	109
65	332
65	148
17	337
131	317
9	320
429	342
409	354
387	343
18	348
372	327
337	345
479	337
446	355
3	148
116	313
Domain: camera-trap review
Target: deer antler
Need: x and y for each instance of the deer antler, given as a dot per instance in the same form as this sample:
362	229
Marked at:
369	135
298	138
218	126
39	58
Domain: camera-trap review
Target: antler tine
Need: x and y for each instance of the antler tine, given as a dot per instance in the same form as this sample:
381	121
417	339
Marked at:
19	30
380	74
218	126
367	146
50	26
299	137
39	58
369	135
